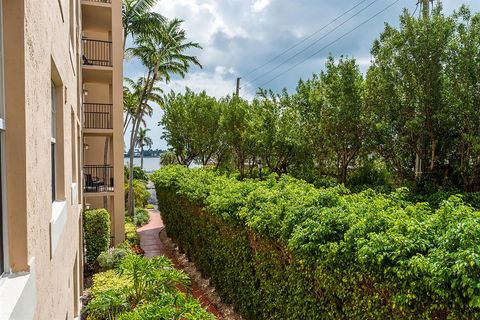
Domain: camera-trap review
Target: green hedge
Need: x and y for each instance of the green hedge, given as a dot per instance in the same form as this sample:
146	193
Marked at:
286	250
96	226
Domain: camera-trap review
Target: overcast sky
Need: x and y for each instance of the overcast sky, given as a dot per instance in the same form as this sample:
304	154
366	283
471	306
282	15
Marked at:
240	35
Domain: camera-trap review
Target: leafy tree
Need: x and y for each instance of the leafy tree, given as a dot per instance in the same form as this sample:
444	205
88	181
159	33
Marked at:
280	139
191	126
405	94
168	158
237	127
341	115
462	95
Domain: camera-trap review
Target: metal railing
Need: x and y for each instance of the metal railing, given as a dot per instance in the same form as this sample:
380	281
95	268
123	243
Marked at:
97	116
97	52
101	1
98	178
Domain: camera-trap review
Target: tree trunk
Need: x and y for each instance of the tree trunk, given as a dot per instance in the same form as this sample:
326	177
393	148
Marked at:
149	83
141	157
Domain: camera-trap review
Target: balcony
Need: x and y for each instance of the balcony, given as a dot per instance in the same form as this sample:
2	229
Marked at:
97	116
99	1
97	53
98	178
97	15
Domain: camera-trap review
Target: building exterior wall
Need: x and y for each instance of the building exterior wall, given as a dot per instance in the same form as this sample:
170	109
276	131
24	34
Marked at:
104	85
42	44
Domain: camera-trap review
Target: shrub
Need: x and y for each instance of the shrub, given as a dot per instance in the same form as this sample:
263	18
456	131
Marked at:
111	258
138	174
150	206
141	217
131	235
142	288
140	193
96	226
108	280
287	250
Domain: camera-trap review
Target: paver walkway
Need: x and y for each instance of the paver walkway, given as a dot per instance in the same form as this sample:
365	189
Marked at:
151	244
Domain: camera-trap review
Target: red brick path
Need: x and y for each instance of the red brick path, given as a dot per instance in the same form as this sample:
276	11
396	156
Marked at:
151	244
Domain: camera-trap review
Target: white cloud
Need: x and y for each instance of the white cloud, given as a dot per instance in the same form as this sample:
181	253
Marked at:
260	5
218	84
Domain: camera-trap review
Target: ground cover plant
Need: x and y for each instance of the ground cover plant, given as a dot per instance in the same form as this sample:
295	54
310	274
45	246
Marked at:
139	288
284	249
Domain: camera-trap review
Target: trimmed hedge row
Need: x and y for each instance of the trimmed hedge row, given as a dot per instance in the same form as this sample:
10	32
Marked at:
96	226
286	250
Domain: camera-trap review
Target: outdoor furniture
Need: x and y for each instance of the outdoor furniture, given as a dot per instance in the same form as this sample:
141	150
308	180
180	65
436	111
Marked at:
93	184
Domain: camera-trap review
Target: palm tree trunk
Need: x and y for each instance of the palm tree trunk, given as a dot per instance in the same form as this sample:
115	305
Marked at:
135	126
141	157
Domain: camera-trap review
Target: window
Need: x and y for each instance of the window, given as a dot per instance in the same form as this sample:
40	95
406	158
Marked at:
54	142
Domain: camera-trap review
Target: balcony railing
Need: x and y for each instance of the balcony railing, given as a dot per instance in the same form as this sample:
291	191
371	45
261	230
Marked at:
97	116
98	178
97	52
101	1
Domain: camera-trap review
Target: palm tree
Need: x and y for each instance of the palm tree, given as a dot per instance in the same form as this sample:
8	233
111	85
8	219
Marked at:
132	91
143	141
163	54
138	18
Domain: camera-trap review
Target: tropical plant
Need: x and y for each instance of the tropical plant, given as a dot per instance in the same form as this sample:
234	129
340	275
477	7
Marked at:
140	192
163	54
140	288
143	141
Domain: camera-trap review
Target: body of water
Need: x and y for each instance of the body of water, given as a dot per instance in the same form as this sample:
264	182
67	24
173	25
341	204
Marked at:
152	164
149	164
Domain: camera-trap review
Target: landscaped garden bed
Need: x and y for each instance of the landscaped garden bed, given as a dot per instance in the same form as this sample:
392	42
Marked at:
127	286
283	249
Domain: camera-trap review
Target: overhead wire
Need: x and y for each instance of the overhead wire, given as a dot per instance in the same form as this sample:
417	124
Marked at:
314	43
331	43
303	40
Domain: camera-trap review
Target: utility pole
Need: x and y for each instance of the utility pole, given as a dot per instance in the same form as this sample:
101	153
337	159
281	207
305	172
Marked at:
418	159
237	91
426	9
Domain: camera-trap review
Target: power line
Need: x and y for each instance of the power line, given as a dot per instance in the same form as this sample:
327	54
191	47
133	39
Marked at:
333	42
302	41
313	43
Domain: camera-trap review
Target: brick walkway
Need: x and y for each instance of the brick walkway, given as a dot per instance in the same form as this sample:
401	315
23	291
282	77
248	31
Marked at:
151	244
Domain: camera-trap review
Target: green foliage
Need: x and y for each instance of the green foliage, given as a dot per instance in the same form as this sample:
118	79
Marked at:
131	235
108	280
301	252
138	174
111	258
416	111
96	226
150	206
178	307
141	217
142	288
140	193
168	158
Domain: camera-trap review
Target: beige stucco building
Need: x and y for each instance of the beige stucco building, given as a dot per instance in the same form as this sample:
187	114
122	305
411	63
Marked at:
61	146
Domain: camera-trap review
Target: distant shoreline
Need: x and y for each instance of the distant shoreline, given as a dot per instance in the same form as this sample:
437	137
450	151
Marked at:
127	157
